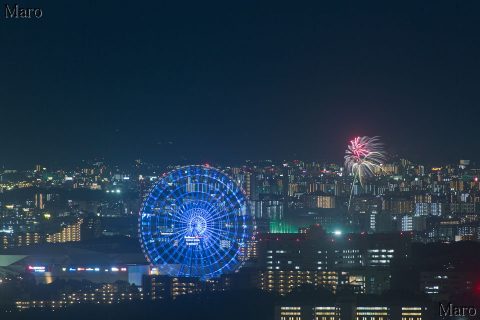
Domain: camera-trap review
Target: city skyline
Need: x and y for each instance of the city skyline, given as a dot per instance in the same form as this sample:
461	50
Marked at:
151	237
378	151
125	163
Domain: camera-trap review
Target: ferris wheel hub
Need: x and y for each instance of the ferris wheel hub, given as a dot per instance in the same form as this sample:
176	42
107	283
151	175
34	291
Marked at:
197	223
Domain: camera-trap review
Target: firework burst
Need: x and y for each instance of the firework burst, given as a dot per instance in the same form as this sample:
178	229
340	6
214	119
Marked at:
362	157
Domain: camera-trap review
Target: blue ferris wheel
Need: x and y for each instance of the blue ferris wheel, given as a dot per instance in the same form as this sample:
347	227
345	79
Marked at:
195	223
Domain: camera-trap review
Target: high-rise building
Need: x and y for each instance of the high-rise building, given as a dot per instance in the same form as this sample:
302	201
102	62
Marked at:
91	227
284	282
68	233
323	252
10	240
407	223
39	201
157	287
336	310
319	201
372	312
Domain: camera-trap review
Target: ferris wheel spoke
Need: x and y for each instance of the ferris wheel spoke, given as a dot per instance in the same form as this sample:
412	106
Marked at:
221	215
177	237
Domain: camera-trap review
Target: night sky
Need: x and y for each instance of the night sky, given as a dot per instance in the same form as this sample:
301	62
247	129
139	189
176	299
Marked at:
200	81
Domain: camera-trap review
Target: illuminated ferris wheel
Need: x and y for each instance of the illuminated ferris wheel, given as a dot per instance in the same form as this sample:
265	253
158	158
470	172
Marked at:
194	223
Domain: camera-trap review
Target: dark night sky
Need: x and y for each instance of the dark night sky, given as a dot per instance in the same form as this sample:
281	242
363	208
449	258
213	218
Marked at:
235	80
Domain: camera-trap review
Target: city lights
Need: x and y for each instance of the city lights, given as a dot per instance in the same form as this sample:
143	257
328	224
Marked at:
250	160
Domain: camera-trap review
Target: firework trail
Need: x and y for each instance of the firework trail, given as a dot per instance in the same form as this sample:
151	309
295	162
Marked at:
362	157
